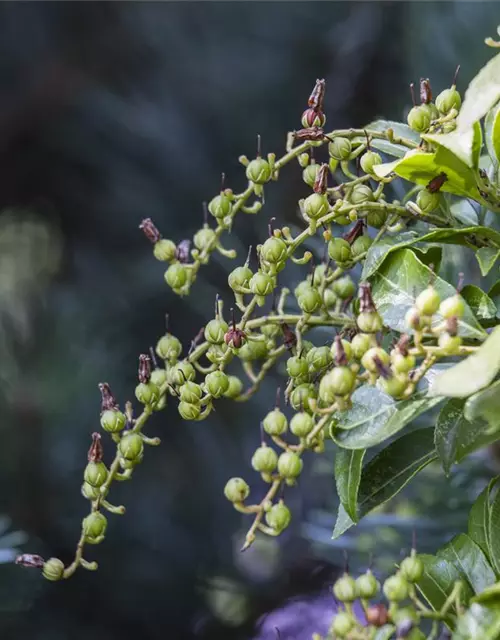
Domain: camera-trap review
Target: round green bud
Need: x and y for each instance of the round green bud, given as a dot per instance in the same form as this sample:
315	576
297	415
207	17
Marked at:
343	220
169	347
113	421
451	307
147	393
297	366
161	404
304	285
270	330
265	459
369	322
342	624
289	465
412	568
94	527
235	387
401	363
262	284
344	589
53	569
131	446
190	392
130	464
159	377
374	353
176	275
360	344
339	381
367	586
396	588
428	201
275	423
273	250
447	100
215	331
258	171
301	424
329	298
95	473
344	287
428	301
340	148
361	193
278	517
240	278
303	160
369	160
449	345
236	490
218	352
319	358
253	350
189	411
377	219
220	206
217	383
182	372
339	250
360	245
431	110
204	238
394	386
309	300
316	205
164	250
90	492
300	396
310	174
419	119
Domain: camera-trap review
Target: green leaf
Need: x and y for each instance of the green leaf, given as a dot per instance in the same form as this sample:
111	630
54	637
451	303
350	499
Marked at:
465	212
400	131
385	633
388	472
494	294
487	257
481	304
492	133
478	526
490	594
375	417
400	279
472	374
450	426
438	580
471	562
485	405
494	537
348	465
479	622
464	144
482	94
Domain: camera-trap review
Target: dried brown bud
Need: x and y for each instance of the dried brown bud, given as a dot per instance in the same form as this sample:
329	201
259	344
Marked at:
355	232
425	91
340	354
365	298
108	401
317	95
182	251
403	344
436	183
95	452
30	560
150	230
321	182
382	369
452	325
290	339
310	133
144	372
235	337
377	615
129	412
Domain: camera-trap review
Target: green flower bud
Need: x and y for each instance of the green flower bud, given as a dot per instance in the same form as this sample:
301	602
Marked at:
164	250
344	589
339	381
176	275
428	201
347	350
340	148
113	421
168	348
289	465
301	424
90	492
419	119
360	344
265	459
368	360
189	411
412	568
449	345
361	193
217	383
236	490
53	569
316	205
310	174
304	285
204	238
396	588
215	331
297	366
259	171
95	474
303	160
369	160
275	423
329	298
454	306
235	387
161	404
240	278
273	250
131	446
309	300
319	358
394	386
400	362
130	464
147	393
339	250
300	396
400	615
220	206
448	99
344	287
360	245
190	392
342	624
369	322
367	586
270	330
159	377
278	517
427	302
262	284
377	219
218	352
94	527
253	350
182	372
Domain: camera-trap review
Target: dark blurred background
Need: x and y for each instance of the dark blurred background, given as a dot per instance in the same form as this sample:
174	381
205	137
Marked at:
109	113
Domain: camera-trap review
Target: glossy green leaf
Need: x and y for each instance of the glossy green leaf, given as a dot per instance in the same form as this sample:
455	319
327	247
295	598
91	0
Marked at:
479	622
464	144
348	464
375	417
478	527
471	374
481	304
450	425
388	472
490	594
470	560
485	405
437	582
391	148
486	258
400	279
482	94
492	133
494	294
465	212
494	531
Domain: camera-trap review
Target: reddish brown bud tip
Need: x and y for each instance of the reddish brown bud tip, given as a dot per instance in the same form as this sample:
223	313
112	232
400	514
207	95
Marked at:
182	251
290	339
144	372
452	325
340	354
317	95
321	182
355	232
30	560
425	91
310	133
403	344
436	183
377	615
235	337
365	298
150	230
95	452
108	401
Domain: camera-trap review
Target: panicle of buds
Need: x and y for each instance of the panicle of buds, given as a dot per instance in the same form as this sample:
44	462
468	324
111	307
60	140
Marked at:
108	401
365	298
144	372
321	182
289	337
30	560
150	230
425	91
95	452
